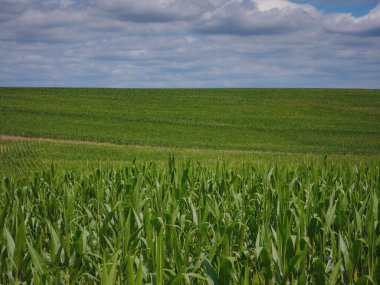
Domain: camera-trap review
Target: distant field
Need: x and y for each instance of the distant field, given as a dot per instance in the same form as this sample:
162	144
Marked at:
207	125
276	120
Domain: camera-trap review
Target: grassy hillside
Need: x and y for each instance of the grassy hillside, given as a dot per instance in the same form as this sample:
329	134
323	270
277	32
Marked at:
277	120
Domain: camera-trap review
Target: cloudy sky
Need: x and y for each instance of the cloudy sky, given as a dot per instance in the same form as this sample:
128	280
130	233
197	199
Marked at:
190	43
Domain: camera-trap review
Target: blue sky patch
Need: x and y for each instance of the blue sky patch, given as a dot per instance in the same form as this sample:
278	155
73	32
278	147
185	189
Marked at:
357	8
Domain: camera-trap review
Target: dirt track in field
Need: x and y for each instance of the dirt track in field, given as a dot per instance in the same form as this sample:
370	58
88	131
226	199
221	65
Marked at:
78	142
20	138
4	137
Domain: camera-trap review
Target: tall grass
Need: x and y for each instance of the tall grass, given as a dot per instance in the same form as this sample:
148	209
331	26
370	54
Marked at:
190	224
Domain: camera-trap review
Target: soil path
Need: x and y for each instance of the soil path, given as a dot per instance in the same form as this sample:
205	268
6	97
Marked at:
68	141
4	137
20	138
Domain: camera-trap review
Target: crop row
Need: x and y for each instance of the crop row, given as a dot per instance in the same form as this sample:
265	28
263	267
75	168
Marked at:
190	224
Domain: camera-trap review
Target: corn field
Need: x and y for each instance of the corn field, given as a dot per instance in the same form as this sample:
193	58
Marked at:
314	223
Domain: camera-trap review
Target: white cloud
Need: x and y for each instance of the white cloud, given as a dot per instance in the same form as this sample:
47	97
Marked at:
368	25
258	17
266	5
146	11
185	43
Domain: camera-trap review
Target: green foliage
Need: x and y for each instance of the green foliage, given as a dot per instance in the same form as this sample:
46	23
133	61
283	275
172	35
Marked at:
192	224
281	217
281	120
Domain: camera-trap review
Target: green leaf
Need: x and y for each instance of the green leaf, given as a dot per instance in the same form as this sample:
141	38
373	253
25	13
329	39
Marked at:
112	273
104	274
356	251
225	271
20	245
109	278
55	241
211	272
257	245
312	228
37	261
364	280
159	258
293	261
176	280
246	274
194	212
130	271
10	243
330	215
180	276
346	258
318	271
334	274
139	277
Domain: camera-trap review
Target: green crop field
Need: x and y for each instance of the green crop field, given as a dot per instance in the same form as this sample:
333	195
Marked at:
189	186
281	120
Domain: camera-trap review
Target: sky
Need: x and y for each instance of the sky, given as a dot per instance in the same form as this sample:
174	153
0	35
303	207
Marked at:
190	43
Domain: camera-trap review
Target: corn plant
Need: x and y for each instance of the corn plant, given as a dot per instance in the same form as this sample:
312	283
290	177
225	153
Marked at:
192	224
